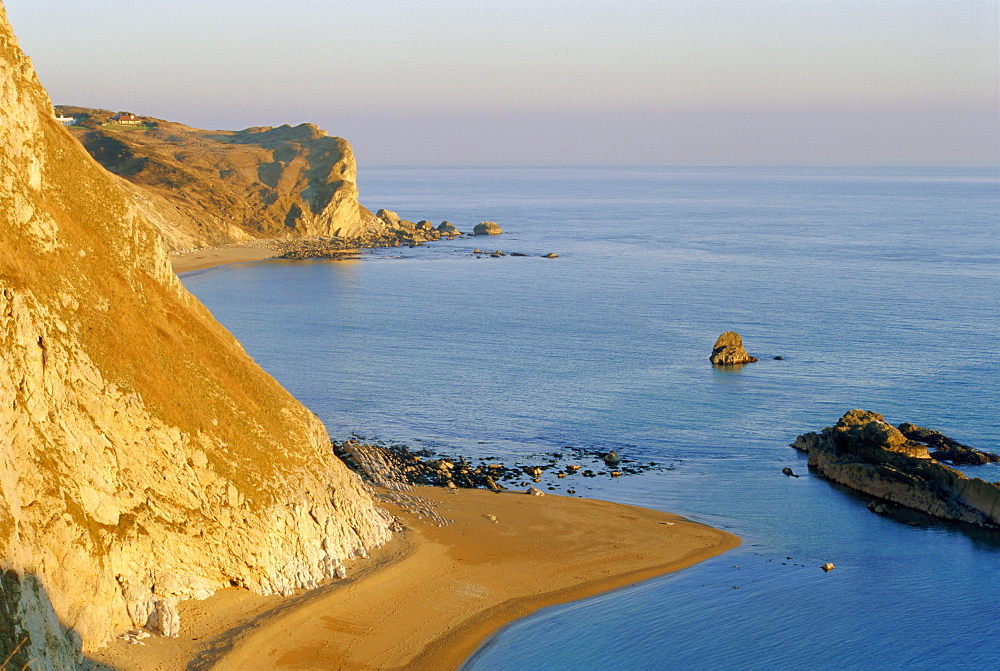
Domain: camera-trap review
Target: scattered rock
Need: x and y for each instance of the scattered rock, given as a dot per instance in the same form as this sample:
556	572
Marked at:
551	255
388	216
448	228
534	491
779	358
612	458
729	350
487	228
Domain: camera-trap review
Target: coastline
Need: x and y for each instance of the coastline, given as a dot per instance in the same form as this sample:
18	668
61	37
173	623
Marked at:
209	257
434	594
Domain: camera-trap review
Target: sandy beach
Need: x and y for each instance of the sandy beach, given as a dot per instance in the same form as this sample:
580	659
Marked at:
217	256
432	595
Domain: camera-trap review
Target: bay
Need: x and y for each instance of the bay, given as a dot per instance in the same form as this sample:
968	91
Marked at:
879	287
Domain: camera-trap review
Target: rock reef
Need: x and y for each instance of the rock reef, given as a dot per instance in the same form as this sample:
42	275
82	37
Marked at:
144	457
864	452
729	351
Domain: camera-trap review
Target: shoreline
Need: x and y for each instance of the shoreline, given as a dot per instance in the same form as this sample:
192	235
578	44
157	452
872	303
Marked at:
210	257
434	594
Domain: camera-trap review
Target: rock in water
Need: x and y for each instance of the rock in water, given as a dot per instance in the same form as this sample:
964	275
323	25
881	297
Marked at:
945	448
487	228
612	458
864	452
827	567
144	457
729	351
787	471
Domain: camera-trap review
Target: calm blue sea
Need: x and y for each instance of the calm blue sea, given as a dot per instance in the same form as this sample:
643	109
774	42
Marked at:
880	287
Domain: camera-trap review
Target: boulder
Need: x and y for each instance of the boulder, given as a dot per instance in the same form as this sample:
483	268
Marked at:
729	350
388	216
534	491
487	228
448	228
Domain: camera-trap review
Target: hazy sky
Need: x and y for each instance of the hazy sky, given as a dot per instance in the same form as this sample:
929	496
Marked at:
572	80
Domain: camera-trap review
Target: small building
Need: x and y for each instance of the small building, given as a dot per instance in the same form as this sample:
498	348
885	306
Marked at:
66	120
127	119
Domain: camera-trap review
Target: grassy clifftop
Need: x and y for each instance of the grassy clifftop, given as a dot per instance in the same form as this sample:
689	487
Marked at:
210	187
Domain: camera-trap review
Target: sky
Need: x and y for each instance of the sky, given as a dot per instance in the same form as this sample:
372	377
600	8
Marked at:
547	81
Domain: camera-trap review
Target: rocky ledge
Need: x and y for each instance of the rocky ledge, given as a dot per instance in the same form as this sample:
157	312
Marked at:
864	452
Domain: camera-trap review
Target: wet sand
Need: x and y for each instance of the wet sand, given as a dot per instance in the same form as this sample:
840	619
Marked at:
217	256
433	594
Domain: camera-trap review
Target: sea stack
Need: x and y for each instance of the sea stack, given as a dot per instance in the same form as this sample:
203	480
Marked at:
729	350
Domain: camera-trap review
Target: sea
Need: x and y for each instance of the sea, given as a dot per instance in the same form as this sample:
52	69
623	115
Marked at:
878	286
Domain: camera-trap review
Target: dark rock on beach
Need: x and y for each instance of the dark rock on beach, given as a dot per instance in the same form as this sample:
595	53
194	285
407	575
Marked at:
867	454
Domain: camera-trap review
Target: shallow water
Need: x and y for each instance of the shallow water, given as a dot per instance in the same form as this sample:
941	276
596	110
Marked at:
878	286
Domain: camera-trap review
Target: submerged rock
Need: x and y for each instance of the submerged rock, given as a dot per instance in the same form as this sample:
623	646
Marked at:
729	350
864	452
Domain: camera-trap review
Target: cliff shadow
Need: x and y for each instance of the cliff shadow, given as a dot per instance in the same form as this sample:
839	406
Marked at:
31	635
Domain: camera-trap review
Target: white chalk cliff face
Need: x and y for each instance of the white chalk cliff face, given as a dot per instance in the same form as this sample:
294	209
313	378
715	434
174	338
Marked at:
144	457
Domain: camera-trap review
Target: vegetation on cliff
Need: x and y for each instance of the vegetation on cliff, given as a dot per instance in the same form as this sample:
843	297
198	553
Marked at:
203	187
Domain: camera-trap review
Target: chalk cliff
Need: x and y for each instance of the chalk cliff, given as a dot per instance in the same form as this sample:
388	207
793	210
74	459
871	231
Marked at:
202	187
865	453
144	457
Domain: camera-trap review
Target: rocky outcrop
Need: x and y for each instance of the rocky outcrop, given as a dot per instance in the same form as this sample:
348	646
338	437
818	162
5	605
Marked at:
144	457
487	228
729	350
203	187
865	453
946	449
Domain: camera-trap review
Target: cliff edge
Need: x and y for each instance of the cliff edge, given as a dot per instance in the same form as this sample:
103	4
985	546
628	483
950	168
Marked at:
144	457
204	187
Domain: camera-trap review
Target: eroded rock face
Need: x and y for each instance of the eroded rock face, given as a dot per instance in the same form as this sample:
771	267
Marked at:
144	458
865	453
729	350
202	187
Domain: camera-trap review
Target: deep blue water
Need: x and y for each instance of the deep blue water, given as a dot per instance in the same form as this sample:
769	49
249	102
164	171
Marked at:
880	287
